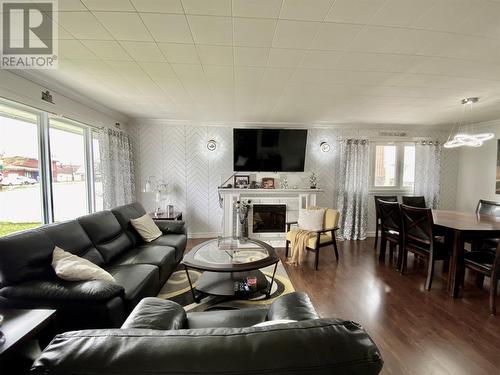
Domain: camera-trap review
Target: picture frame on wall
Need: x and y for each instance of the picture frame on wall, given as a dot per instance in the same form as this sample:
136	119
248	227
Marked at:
267	183
241	181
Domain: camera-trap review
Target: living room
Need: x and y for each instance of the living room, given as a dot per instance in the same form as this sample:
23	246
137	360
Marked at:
249	186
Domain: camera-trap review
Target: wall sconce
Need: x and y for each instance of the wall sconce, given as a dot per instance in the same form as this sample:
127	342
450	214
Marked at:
325	147
211	145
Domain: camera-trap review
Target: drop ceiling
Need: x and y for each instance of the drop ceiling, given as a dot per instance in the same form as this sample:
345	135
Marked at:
404	62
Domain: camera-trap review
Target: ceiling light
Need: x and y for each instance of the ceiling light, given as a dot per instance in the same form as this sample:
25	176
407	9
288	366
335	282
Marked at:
464	135
324	146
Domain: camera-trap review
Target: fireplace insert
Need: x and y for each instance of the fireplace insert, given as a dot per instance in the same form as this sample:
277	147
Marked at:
269	218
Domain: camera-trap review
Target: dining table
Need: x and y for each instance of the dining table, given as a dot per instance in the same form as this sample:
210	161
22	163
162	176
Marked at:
458	228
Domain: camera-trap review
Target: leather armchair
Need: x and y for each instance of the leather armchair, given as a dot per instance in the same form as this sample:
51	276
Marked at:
150	342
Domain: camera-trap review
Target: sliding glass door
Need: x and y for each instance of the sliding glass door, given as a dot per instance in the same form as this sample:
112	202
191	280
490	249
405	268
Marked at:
20	192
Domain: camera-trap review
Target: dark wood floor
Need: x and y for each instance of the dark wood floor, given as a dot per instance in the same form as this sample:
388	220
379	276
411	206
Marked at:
418	332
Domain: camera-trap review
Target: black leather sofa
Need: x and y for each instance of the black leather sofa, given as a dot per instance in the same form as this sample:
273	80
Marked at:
106	238
160	338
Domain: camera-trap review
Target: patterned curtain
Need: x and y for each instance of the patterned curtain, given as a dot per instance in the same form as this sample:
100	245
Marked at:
428	171
117	168
353	188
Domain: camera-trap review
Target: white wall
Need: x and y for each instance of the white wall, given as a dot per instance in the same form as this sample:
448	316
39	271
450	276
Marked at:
26	91
176	152
477	170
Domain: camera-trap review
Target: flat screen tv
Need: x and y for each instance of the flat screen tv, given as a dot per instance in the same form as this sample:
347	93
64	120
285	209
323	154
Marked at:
269	150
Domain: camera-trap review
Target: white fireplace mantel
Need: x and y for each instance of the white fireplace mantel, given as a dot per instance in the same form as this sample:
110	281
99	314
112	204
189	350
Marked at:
295	199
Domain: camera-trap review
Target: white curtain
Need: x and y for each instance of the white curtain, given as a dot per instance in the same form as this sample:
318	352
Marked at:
428	171
352	200
117	168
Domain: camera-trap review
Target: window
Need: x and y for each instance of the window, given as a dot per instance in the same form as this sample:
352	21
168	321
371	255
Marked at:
69	189
49	168
20	194
393	166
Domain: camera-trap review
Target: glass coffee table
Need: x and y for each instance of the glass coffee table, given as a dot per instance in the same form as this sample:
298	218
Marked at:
226	261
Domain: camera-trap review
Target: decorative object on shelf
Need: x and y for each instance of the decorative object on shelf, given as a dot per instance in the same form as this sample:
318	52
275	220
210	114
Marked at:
465	135
254	185
324	146
284	182
241	181
313	181
267	183
242	208
211	145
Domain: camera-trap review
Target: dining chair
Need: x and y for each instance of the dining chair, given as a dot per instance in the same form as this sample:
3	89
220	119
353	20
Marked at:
490	208
414	201
420	239
323	237
387	198
390	224
485	263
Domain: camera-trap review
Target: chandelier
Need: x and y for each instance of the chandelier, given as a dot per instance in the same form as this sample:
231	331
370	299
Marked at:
464	134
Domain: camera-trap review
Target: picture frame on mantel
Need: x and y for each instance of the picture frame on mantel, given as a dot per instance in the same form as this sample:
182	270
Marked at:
241	181
267	183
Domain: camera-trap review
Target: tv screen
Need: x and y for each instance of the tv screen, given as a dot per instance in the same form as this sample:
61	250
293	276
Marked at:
269	150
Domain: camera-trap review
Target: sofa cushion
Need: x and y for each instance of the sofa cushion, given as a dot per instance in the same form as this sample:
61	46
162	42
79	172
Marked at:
138	280
129	211
156	313
177	241
146	227
25	256
161	256
106	233
226	318
60	290
71	237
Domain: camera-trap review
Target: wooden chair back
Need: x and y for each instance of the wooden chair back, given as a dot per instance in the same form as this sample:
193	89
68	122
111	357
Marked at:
390	215
387	198
417	225
414	201
485	207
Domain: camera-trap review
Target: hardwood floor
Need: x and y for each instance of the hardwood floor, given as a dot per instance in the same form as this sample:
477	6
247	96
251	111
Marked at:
417	331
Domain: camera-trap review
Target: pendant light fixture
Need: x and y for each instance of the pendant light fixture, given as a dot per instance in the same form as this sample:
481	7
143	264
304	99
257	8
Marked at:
464	134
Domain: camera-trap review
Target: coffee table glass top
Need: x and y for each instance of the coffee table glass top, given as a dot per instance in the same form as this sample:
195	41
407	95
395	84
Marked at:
228	254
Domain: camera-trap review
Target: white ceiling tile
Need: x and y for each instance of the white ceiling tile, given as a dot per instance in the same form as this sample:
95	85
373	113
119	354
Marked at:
107	49
332	36
285	57
70	5
294	34
402	13
124	26
215	55
310	10
83	25
448	15
253	32
211	30
250	56
168	27
74	49
485	22
208	7
256	8
249	74
321	59
143	51
109	5
180	53
158	6
353	11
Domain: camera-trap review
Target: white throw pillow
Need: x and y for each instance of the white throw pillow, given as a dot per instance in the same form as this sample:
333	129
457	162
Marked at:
73	268
311	219
273	322
146	227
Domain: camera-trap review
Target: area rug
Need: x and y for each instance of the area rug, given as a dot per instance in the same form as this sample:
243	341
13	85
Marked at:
177	289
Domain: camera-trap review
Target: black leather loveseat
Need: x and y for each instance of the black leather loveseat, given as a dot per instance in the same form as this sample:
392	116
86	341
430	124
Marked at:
106	238
160	338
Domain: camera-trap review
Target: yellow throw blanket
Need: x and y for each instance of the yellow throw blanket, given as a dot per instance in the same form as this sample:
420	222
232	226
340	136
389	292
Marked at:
298	242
